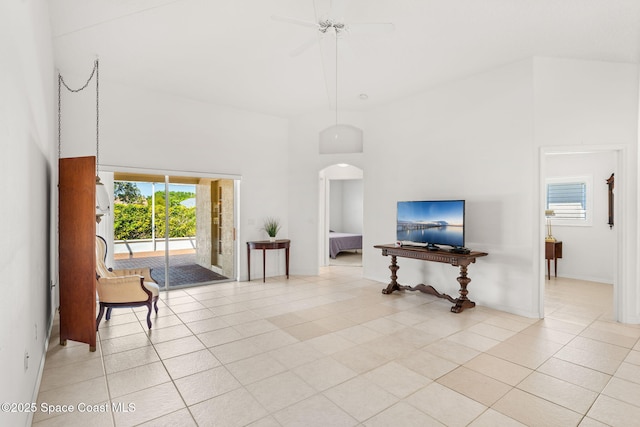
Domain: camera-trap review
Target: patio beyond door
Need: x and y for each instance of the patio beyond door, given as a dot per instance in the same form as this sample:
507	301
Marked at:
180	227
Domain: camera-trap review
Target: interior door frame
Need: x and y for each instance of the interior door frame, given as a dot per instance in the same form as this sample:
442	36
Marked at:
622	204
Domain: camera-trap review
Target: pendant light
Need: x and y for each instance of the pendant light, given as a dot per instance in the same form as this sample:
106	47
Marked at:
340	137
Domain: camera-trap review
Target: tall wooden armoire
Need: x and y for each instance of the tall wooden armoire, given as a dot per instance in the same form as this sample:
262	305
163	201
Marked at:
77	255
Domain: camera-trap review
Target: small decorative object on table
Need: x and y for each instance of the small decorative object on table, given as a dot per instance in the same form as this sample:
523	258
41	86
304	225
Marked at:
548	214
271	226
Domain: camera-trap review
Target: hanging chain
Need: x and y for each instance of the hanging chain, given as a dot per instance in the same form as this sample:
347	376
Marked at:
95	67
59	117
97	119
61	83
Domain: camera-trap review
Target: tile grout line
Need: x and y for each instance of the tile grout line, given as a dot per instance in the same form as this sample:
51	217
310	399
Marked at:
106	381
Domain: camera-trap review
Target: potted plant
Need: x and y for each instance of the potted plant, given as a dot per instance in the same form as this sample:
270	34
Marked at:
271	226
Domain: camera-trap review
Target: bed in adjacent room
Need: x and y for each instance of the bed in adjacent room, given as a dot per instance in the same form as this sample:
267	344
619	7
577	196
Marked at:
339	242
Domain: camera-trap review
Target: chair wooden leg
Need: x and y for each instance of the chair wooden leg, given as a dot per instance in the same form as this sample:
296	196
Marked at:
155	304
149	315
100	313
109	312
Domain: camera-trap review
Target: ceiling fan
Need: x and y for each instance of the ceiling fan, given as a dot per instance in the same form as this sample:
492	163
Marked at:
333	24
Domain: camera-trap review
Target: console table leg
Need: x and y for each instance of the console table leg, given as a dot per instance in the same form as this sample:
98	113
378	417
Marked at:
394	285
286	254
463	302
248	263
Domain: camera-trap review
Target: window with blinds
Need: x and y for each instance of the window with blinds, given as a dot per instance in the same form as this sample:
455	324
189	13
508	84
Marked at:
569	199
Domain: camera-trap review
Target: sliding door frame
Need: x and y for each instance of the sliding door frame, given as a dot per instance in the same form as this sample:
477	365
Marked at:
106	228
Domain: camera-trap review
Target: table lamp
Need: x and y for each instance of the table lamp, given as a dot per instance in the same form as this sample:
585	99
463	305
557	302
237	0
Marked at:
549	213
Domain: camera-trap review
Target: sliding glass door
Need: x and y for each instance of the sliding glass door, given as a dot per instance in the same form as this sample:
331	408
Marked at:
181	227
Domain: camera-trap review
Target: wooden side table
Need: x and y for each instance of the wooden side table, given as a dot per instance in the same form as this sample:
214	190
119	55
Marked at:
552	251
265	245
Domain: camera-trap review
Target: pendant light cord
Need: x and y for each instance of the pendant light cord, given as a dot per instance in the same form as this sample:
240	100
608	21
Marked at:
336	31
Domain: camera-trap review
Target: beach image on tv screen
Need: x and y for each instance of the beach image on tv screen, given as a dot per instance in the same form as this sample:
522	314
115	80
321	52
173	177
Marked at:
432	222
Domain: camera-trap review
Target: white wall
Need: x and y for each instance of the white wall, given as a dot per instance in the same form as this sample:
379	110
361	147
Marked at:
480	139
330	208
587	251
587	106
584	103
28	181
141	129
346	206
335	205
470	140
307	184
352	206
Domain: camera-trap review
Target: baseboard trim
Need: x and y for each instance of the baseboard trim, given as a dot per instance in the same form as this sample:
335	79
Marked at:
36	391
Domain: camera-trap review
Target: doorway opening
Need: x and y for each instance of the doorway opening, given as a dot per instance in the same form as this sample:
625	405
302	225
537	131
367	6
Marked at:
182	227
580	264
341	215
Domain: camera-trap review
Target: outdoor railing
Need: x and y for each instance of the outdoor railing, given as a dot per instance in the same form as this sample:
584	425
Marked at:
132	247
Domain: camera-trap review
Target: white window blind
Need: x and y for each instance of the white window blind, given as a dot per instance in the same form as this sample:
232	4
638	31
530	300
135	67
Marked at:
569	199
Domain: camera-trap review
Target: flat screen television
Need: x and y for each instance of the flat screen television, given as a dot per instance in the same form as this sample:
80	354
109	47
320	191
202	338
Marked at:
431	223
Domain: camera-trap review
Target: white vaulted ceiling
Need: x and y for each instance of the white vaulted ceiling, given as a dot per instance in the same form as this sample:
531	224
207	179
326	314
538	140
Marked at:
232	52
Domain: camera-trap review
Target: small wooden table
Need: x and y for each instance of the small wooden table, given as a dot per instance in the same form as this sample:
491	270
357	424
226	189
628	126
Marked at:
552	251
265	245
455	259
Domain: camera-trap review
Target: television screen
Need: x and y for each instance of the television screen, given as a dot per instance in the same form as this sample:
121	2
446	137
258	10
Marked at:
431	223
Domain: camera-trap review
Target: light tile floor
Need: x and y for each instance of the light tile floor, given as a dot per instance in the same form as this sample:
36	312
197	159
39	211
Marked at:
332	351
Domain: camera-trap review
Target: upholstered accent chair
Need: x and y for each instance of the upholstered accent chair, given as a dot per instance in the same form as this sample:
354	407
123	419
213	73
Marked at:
123	288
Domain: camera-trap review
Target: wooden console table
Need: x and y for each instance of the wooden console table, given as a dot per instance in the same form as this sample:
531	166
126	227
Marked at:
265	245
552	251
455	259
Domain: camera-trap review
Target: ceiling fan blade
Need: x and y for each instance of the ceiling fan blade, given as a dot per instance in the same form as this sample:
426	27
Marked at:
304	46
295	21
371	27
